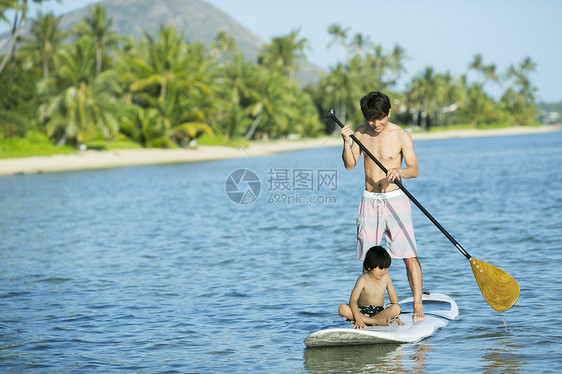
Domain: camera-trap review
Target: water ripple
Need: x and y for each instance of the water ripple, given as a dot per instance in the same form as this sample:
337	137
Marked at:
153	268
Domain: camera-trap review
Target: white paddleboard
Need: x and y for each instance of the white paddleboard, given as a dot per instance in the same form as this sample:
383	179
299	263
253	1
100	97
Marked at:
438	309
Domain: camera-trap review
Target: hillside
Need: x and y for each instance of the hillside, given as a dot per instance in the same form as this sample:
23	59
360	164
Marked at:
196	19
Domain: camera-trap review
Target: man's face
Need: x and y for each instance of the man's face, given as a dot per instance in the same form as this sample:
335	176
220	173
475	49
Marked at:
379	124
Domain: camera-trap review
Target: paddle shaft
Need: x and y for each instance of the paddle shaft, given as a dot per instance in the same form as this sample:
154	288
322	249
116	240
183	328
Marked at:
331	115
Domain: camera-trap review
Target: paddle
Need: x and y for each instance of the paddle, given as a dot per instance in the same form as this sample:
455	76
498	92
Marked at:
499	288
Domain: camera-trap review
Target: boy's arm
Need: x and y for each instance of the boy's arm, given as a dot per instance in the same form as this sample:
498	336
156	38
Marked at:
357	317
351	150
391	292
393	299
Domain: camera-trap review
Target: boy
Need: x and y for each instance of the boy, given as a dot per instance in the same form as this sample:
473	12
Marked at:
367	298
384	209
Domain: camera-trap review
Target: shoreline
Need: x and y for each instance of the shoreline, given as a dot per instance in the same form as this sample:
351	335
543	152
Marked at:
88	160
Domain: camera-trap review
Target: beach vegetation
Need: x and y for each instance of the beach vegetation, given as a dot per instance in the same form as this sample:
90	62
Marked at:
104	145
221	139
77	104
90	86
33	143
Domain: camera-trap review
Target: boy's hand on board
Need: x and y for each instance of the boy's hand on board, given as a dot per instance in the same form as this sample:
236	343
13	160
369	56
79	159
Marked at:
359	324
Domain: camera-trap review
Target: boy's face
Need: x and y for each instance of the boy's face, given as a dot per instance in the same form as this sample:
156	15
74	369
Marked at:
378	273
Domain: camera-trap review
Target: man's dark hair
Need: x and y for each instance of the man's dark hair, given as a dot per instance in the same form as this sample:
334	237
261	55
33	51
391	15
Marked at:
376	256
375	106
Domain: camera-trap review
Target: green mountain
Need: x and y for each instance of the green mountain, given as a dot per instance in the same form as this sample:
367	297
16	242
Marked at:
196	19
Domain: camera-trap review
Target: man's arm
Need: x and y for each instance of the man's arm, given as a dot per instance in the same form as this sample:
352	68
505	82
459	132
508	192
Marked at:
351	150
410	159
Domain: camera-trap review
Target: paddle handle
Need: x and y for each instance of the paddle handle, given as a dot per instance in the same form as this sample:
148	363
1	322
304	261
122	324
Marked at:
331	115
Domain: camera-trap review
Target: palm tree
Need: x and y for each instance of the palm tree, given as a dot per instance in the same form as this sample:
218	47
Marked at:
153	65
337	88
359	44
223	45
304	120
478	107
284	54
427	92
377	64
85	107
98	27
367	68
272	104
519	99
452	95
176	79
5	7
140	125
476	63
339	34
397	64
45	42
237	91
19	9
488	72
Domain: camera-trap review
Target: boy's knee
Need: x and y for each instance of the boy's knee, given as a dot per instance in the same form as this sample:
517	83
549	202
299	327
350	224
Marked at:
343	309
395	309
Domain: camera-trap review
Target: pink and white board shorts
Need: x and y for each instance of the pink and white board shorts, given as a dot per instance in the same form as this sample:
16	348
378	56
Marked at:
388	214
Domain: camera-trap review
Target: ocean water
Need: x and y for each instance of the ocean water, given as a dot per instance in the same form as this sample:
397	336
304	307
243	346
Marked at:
162	269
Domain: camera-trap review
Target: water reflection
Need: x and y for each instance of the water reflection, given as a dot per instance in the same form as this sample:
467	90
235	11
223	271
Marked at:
358	359
504	357
419	357
387	358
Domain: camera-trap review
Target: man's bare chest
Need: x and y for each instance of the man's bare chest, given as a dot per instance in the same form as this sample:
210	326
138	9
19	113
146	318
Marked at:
386	150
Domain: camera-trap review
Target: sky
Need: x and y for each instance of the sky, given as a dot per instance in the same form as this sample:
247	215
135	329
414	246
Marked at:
444	34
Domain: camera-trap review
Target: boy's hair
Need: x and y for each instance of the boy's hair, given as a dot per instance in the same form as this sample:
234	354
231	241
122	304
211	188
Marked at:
376	256
375	106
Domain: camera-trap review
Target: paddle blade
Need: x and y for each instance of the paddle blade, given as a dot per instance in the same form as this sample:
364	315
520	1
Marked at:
499	289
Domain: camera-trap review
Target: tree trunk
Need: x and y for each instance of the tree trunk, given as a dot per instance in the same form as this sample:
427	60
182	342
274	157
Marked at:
62	140
12	47
45	68
98	60
254	126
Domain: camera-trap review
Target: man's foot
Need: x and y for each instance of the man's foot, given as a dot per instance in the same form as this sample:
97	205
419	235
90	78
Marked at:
418	312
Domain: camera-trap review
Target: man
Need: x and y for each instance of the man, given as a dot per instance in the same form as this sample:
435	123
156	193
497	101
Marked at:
384	208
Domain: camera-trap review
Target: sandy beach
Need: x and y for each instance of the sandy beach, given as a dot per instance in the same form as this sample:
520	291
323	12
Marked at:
84	160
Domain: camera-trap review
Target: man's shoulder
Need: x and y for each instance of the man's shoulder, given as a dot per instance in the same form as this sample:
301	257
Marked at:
400	132
362	128
396	128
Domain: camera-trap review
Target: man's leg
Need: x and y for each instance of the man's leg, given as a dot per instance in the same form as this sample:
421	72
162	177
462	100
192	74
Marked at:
414	272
